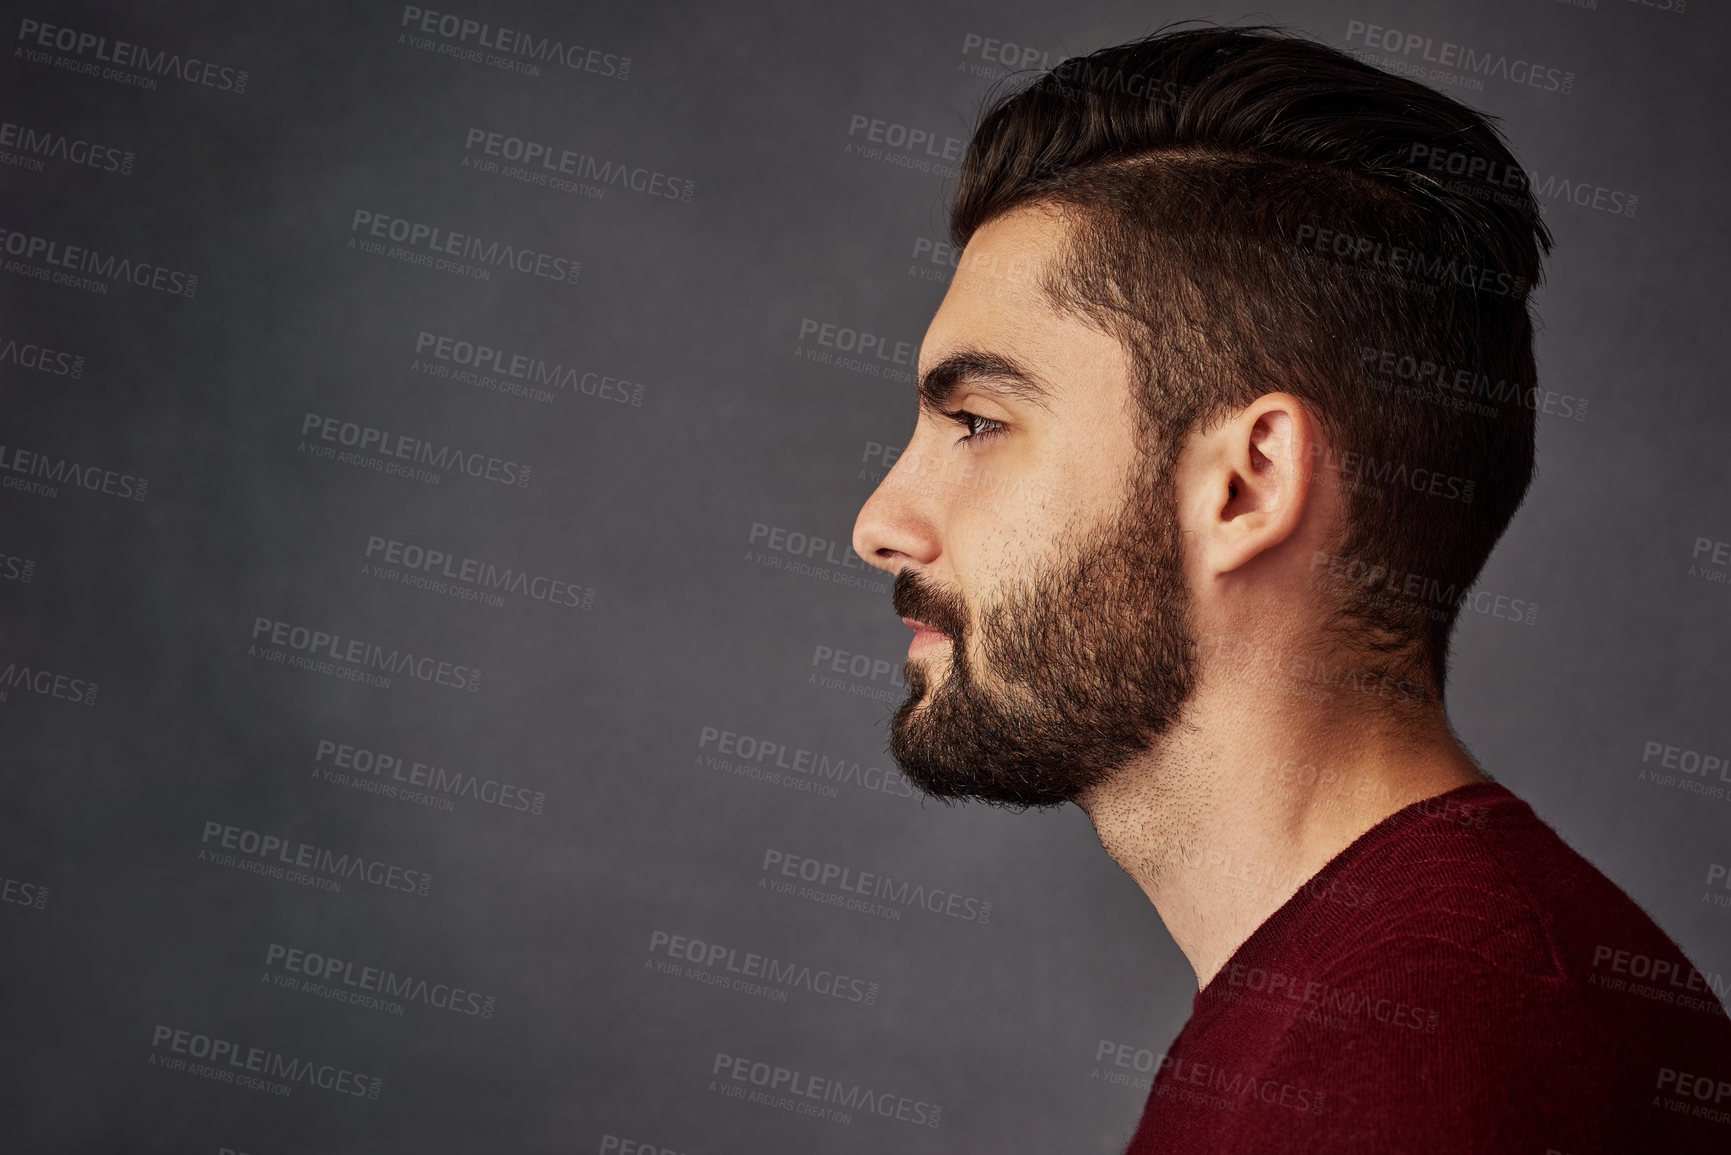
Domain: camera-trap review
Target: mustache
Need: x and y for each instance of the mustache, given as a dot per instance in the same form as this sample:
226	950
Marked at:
914	597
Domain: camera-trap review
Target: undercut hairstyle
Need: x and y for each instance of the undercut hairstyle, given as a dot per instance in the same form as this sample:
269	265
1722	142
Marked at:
1252	212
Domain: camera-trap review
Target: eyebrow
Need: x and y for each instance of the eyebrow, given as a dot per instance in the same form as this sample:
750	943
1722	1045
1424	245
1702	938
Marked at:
985	370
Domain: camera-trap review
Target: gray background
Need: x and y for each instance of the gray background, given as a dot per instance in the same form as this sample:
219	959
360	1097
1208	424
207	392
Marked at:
652	506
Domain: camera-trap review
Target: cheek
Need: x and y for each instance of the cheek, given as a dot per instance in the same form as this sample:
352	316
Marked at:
1012	513
992	553
991	547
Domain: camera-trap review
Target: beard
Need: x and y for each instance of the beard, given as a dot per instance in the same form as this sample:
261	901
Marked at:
1085	664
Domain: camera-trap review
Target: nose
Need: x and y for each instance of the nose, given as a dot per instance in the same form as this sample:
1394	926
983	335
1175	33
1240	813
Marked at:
896	526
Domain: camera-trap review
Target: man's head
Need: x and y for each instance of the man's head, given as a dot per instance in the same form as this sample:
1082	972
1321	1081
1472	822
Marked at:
1240	336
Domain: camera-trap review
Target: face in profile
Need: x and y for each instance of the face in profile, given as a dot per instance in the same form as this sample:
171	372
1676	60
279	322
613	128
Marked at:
1035	546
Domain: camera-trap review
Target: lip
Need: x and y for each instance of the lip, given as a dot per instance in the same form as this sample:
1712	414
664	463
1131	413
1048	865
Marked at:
924	635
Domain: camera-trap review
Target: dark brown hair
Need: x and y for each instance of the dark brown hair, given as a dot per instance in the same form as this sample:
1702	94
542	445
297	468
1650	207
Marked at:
1255	212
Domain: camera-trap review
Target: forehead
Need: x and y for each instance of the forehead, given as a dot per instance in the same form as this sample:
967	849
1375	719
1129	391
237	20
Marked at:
996	308
999	272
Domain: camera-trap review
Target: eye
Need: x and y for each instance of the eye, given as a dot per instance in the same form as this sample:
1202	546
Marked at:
979	428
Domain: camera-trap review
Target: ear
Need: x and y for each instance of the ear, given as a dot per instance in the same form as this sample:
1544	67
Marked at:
1251	482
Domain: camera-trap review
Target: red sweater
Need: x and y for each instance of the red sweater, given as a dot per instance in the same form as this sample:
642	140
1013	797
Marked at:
1457	981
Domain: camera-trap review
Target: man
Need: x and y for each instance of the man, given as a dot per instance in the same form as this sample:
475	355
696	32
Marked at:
1223	412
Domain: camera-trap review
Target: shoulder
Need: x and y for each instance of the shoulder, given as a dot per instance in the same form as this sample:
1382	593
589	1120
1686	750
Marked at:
1445	1003
1438	1043
1447	895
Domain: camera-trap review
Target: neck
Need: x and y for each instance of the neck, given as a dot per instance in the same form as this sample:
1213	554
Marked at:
1250	794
